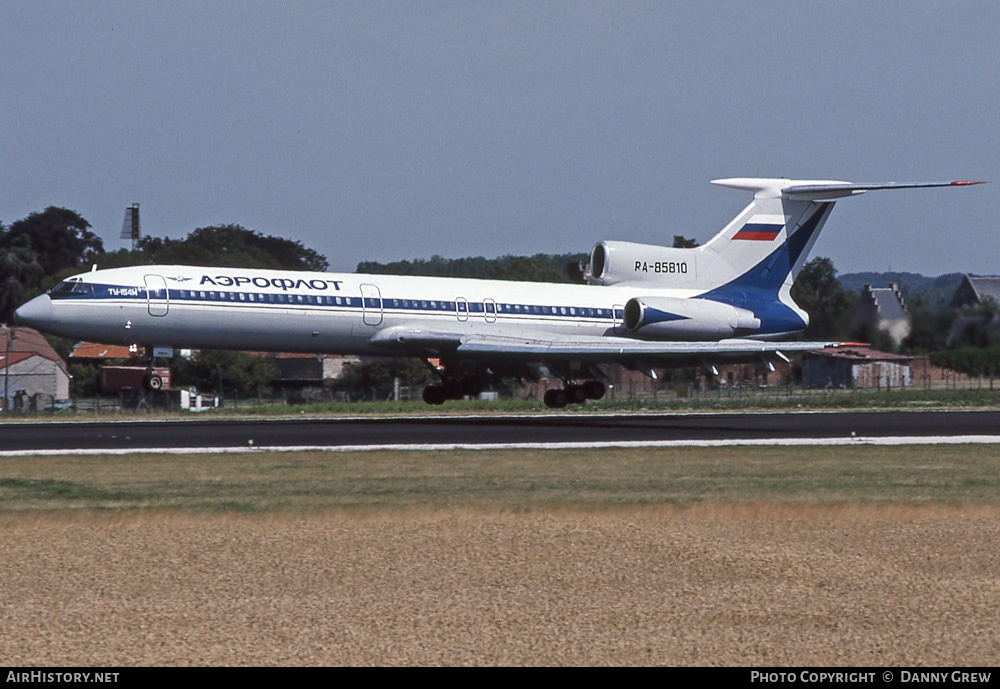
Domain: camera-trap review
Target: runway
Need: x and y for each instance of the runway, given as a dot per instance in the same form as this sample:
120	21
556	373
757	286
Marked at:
556	430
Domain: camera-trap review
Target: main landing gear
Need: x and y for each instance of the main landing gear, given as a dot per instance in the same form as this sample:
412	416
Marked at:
458	381
453	389
574	394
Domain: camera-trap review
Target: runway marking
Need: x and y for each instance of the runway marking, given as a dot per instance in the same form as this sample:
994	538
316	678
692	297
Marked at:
804	442
490	416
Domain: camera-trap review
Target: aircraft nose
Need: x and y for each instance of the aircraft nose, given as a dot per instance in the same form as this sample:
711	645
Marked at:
37	313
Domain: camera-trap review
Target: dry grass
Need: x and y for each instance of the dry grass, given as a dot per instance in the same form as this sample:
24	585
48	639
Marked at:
759	556
705	585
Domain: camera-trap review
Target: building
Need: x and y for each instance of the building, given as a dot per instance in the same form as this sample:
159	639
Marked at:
298	370
979	301
94	353
975	291
305	377
856	368
118	369
27	340
303	370
882	309
32	374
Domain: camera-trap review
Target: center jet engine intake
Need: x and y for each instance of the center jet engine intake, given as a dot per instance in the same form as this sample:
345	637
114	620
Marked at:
613	262
687	319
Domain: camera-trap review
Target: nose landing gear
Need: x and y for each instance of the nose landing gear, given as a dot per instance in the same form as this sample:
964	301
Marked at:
152	381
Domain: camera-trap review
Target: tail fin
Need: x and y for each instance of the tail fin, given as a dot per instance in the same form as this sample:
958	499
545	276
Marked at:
785	214
757	256
765	226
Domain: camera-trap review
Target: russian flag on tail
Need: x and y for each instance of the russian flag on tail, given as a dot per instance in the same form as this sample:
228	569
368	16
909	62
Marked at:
758	232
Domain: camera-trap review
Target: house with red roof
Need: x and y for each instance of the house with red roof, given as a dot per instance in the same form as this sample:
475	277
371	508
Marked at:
32	374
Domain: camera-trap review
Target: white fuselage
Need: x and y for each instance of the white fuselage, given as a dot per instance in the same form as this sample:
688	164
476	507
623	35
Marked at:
249	309
657	303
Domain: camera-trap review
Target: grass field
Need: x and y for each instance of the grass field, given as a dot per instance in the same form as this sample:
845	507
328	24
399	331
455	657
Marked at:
969	396
522	479
857	555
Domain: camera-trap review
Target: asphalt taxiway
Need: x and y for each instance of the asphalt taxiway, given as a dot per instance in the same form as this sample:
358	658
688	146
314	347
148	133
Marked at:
494	430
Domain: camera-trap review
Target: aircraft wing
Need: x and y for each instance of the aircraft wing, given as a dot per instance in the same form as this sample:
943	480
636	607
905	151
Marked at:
591	347
406	338
540	347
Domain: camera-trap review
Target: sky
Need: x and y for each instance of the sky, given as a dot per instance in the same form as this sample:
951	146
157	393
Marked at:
400	130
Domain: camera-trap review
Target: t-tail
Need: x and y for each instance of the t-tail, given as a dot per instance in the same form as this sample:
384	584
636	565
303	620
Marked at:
750	265
769	242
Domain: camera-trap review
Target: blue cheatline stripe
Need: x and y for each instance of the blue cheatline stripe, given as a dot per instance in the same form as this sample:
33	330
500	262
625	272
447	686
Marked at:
103	292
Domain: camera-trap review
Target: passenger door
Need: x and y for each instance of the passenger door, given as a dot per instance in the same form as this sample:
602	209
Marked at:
157	296
371	304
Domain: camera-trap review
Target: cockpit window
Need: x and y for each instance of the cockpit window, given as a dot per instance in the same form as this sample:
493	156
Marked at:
71	288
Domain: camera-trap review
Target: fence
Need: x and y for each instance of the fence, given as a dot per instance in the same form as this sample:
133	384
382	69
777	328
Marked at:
628	390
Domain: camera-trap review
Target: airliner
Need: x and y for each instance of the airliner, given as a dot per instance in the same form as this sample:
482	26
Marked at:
643	306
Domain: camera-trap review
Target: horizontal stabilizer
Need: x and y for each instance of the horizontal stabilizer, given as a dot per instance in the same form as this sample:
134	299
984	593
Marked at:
817	192
820	190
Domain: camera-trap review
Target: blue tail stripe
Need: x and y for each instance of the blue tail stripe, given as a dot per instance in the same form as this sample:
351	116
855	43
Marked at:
757	289
657	316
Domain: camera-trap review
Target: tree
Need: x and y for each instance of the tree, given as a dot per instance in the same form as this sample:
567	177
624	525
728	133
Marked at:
39	246
537	268
829	305
929	328
58	237
230	246
381	374
975	327
972	361
20	274
85	379
682	242
238	370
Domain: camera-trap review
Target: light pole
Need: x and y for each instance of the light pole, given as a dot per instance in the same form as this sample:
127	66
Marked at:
6	370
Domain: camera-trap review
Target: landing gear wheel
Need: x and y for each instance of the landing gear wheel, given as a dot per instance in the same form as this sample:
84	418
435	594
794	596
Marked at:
434	394
471	387
452	390
576	394
594	389
555	399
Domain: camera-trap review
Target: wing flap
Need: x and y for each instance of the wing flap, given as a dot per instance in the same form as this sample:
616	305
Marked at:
620	347
413	339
